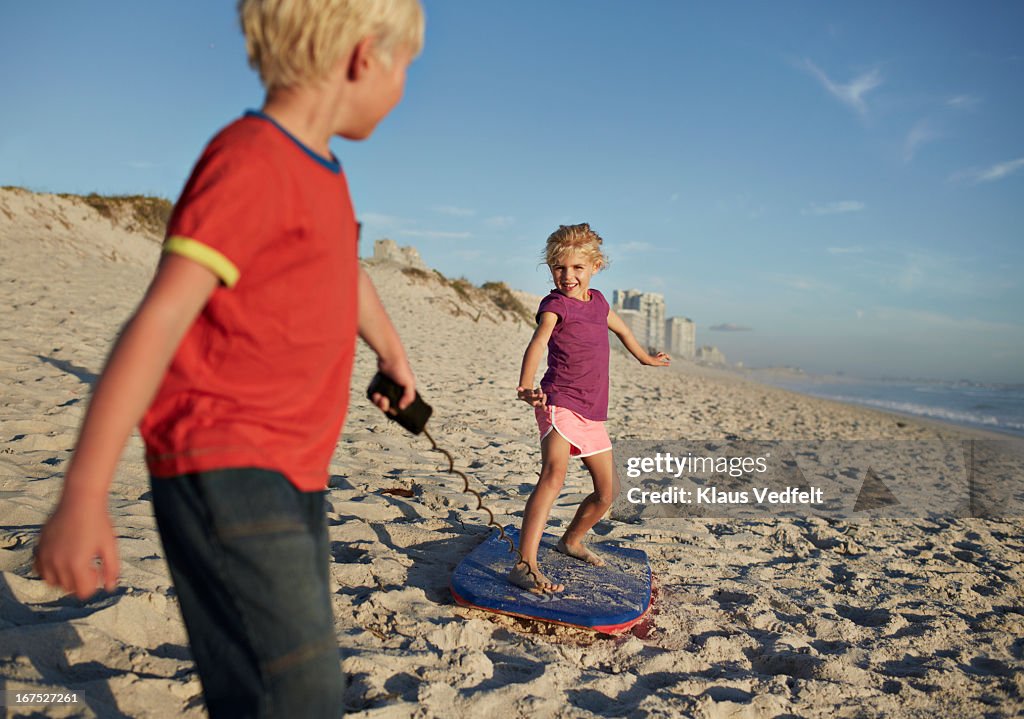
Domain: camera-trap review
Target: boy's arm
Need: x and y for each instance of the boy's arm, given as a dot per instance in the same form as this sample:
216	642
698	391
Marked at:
531	360
377	331
79	530
616	325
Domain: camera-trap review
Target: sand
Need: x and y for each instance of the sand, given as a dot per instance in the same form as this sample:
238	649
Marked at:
754	617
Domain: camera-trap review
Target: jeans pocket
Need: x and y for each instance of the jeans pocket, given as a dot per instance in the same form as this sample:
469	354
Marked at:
254	502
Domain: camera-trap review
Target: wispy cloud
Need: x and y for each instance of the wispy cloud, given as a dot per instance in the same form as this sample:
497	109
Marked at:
376	222
742	203
988	174
844	250
920	134
926	272
377	219
729	327
802	284
636	247
834	208
500	222
963	102
436	234
633	247
453	211
913	275
915	319
852	93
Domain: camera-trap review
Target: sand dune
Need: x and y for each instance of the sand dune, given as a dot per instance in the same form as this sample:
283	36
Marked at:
754	617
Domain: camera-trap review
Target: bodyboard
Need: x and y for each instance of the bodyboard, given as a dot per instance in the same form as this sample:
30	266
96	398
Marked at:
608	599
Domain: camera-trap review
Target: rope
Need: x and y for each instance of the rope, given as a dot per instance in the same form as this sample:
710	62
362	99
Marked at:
466	489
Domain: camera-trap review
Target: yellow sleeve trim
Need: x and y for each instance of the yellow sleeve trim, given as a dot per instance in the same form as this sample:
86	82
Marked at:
205	255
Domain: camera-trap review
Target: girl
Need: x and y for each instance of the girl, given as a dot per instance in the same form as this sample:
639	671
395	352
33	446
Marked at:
571	404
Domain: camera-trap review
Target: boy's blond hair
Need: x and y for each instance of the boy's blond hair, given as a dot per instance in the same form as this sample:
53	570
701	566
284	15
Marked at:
579	238
296	42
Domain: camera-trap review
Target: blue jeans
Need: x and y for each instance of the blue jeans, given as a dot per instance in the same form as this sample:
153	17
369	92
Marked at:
248	554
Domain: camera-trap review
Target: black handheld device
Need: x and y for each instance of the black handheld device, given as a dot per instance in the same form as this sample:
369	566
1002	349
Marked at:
414	417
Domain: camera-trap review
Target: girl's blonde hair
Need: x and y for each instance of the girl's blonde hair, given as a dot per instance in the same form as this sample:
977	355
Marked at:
575	238
296	42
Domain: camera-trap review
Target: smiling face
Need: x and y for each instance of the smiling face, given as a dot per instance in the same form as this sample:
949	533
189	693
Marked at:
572	272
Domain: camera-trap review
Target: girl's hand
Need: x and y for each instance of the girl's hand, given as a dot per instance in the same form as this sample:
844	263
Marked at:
659	360
532	397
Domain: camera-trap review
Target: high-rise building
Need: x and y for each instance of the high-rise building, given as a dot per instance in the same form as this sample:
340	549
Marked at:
636	322
651	309
710	355
680	337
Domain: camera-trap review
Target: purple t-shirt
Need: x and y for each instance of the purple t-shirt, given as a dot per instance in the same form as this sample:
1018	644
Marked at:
577	376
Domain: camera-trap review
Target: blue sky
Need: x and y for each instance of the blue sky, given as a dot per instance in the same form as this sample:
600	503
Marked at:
833	186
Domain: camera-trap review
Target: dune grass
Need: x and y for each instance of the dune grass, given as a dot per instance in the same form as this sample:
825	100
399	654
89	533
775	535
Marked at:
497	293
149	214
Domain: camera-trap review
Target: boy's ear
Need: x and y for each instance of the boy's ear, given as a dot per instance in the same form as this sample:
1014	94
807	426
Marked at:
360	58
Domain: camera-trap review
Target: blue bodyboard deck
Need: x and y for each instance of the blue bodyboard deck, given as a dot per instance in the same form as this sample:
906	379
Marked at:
607	599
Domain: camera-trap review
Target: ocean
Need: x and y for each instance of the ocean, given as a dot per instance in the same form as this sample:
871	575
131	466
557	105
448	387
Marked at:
995	407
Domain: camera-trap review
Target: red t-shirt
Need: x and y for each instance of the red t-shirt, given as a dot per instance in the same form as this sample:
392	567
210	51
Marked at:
261	378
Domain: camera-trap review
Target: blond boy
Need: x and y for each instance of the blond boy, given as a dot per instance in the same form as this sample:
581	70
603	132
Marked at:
236	365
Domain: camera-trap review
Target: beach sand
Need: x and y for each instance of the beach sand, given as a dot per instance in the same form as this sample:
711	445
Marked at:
917	616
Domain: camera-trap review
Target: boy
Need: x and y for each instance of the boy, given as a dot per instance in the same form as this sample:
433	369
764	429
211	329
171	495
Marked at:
242	352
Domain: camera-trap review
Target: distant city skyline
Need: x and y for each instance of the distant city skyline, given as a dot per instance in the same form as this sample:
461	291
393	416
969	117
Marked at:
838	187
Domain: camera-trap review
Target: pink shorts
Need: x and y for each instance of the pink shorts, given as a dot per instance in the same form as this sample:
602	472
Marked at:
585	436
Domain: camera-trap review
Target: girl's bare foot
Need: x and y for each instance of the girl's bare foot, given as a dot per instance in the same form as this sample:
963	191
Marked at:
521	577
578	551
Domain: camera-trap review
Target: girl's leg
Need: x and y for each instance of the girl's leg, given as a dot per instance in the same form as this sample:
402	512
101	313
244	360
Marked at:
554	463
591	509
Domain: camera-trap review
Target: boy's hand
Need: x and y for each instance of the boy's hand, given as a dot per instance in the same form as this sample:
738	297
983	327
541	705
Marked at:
532	397
77	550
659	360
401	373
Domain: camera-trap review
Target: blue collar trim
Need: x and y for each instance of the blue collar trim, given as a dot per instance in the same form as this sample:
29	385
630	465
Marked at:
331	164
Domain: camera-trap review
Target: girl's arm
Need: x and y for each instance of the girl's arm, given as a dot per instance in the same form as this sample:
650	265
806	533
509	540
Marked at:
79	531
616	325
532	357
376	330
